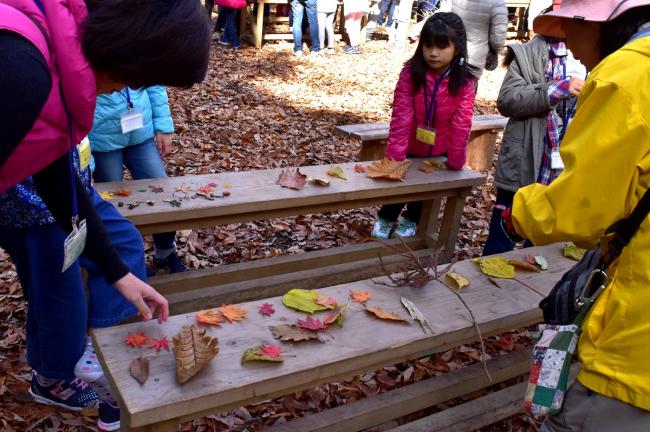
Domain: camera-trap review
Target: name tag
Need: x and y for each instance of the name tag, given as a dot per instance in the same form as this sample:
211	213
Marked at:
425	135
556	161
74	244
84	153
131	120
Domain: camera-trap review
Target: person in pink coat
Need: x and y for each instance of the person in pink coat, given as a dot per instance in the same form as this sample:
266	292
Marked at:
229	9
432	111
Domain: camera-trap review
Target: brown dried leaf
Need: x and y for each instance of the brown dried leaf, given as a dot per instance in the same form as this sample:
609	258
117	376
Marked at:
292	179
140	369
389	169
385	315
287	332
193	350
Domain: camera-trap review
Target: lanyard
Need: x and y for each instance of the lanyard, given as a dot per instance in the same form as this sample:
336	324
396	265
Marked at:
430	106
127	95
73	184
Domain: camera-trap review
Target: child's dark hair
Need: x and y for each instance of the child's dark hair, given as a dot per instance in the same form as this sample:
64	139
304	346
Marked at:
441	30
615	33
146	42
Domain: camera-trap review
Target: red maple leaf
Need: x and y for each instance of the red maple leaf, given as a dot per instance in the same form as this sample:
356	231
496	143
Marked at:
159	344
267	309
529	259
311	324
136	339
206	189
272	351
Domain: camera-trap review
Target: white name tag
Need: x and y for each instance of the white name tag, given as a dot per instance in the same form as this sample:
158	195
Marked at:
556	161
131	120
74	244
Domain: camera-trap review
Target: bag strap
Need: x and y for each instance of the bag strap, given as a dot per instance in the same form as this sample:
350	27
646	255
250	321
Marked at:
626	228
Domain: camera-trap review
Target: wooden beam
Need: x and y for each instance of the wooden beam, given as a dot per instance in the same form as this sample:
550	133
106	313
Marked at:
378	409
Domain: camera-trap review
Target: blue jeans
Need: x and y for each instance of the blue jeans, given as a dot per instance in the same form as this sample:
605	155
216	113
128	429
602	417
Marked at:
230	29
298	7
382	11
58	311
497	241
143	162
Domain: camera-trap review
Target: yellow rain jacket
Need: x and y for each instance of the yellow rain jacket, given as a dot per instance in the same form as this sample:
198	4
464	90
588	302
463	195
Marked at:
606	153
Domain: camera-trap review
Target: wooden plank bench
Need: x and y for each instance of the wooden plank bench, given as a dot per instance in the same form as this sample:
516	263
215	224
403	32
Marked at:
480	149
363	344
254	195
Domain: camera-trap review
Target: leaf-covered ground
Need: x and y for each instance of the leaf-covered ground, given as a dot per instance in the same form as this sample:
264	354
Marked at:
261	109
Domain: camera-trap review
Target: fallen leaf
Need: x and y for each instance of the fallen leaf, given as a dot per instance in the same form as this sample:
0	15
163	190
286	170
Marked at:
225	193
389	169
289	332
131	206
523	265
302	300
266	309
385	315
233	312
123	192
435	164
337	171
334	316
158	344
458	280
270	353
193	350
326	301
151	202
292	179
156	189
360	169
541	261
360	296
320	181
573	252
311	324
174	202
425	169
139	369
417	315
227	185
496	267
207	189
106	196
136	339
209	317
530	259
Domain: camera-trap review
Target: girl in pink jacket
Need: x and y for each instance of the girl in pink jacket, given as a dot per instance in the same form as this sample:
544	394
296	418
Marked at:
432	110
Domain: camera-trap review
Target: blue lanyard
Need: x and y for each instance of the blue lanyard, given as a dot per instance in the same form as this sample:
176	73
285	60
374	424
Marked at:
73	184
129	105
431	106
639	35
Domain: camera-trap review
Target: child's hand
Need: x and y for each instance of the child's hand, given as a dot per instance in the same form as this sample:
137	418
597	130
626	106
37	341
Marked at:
575	85
164	143
146	299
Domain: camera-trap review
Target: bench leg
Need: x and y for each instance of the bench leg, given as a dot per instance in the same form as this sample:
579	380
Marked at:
480	150
258	27
428	221
450	225
372	150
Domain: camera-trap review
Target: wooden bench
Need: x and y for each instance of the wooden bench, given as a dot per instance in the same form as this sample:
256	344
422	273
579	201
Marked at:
480	149
254	195
363	344
520	28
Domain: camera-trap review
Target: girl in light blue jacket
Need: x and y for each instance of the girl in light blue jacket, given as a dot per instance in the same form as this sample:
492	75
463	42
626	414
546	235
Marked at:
134	128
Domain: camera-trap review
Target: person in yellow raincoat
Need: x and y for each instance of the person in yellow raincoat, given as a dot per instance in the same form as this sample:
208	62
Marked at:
606	156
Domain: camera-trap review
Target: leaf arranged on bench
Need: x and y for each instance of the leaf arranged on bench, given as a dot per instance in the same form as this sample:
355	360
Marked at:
209	317
360	296
425	169
123	192
389	169
311	324
207	188
233	312
385	315
303	300
136	339
156	189
496	267
458	280
327	301
139	369
337	171
435	164
292	179
193	350
158	344
524	266
106	196
361	169
291	332
573	252
335	316
269	353
267	309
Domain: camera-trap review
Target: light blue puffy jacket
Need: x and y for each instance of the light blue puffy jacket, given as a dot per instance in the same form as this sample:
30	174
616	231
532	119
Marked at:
106	134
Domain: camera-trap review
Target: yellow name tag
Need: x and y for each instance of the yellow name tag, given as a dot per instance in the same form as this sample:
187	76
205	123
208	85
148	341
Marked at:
84	153
425	135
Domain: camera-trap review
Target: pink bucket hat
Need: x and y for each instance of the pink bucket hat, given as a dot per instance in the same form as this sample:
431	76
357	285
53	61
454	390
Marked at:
550	24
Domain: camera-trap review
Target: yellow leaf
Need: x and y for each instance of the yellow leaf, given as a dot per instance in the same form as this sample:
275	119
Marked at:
496	267
233	312
337	171
385	315
106	196
209	317
435	164
573	252
458	279
303	300
227	185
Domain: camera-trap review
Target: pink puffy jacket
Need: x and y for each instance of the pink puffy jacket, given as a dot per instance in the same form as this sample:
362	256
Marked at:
453	120
233	4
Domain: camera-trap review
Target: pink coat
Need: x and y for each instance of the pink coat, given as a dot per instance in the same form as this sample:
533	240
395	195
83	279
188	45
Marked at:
49	138
453	120
233	4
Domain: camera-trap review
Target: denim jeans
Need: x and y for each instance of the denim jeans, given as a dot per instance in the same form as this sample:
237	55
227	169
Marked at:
391	212
59	313
498	241
298	7
382	11
230	30
143	162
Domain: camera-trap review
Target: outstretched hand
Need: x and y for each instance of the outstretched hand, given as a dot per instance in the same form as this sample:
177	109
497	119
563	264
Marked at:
146	299
164	143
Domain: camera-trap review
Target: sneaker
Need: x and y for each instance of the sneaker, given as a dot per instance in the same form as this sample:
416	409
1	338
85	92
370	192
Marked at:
216	36
405	228
109	417
73	394
315	53
298	53
222	42
330	51
173	264
381	229
352	50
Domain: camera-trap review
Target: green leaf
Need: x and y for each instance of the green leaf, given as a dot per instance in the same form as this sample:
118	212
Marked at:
303	300
496	267
573	252
337	171
257	354
541	262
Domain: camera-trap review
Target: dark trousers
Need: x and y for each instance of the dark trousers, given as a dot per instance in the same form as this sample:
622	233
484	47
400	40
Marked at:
498	241
391	212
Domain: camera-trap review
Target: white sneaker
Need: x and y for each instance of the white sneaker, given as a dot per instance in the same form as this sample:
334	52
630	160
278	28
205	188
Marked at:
298	53
216	36
330	51
381	229
405	228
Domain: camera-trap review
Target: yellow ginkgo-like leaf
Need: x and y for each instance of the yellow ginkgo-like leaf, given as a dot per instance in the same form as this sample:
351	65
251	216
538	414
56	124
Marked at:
106	196
458	280
496	267
573	252
337	171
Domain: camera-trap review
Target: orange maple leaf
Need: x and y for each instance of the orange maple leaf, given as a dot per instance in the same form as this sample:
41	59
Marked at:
158	344
325	301
208	188
209	317
360	168
123	192
136	339
360	296
233	312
